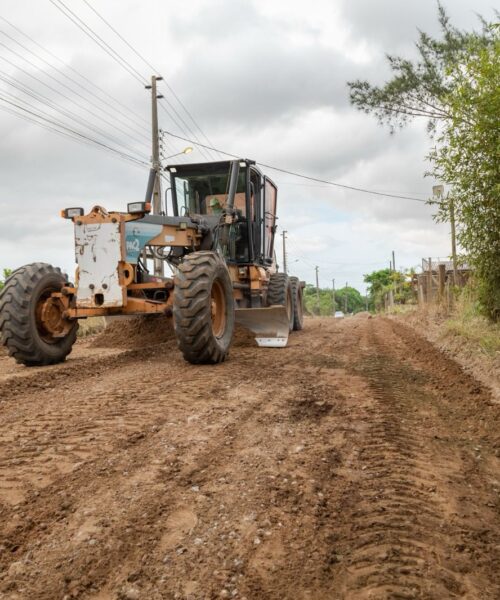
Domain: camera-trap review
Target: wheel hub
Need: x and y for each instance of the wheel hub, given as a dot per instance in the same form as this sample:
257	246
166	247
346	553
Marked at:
218	309
51	318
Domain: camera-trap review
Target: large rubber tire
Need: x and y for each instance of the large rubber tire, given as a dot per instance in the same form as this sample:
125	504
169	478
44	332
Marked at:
279	291
298	304
20	331
203	308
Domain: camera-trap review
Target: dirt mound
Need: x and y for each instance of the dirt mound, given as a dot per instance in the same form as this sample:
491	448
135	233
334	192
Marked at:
128	334
243	336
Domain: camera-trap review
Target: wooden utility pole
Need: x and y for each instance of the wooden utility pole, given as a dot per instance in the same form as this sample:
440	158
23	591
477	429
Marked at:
155	159
393	261
317	288
283	233
453	241
333	296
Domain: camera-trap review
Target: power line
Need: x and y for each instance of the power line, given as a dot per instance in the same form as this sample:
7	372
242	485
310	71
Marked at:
98	40
341	185
150	66
61	133
301	175
59	93
205	154
61	72
68	114
84	77
76	133
80	23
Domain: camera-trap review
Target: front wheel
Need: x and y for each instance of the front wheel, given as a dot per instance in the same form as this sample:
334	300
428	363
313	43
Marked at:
203	308
298	304
32	326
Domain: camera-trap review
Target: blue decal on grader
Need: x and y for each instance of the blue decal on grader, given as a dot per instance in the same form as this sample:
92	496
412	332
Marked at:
137	235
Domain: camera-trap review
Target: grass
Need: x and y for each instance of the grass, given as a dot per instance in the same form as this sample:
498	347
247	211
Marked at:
466	322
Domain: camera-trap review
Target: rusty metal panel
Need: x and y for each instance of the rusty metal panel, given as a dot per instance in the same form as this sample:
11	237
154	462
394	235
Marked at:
98	248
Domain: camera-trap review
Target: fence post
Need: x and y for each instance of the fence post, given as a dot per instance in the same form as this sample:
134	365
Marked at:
420	292
429	282
442	279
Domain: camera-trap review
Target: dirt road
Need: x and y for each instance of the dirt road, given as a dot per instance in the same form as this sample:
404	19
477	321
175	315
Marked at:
357	463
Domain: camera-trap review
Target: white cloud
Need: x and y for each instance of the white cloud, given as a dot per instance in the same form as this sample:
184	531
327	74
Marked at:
266	82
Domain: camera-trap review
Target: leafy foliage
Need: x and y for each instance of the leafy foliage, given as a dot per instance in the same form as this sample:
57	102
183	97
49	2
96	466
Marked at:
380	282
419	88
355	302
467	157
6	273
455	83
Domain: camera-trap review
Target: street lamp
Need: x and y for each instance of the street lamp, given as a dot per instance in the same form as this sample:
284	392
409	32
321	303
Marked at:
186	150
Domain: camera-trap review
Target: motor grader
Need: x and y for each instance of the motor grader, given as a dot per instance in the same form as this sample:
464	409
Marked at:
218	243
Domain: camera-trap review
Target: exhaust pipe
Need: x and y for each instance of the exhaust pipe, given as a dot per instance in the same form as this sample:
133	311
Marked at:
151	185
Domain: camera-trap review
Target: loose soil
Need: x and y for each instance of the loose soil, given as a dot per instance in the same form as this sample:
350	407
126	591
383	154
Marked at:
357	463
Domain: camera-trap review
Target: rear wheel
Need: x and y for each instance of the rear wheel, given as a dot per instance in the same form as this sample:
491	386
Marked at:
298	304
32	327
203	308
280	292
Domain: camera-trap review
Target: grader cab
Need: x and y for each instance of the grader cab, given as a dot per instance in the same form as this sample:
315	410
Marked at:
219	245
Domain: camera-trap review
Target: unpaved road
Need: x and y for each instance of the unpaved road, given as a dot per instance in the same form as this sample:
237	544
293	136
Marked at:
357	463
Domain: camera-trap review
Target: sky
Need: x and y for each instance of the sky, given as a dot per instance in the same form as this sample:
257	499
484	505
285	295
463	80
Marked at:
258	81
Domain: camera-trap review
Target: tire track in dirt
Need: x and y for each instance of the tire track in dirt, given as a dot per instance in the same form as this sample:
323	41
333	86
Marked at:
326	470
148	506
402	531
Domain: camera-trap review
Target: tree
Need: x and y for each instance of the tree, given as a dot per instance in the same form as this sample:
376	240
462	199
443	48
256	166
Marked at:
378	282
355	302
467	157
454	84
419	88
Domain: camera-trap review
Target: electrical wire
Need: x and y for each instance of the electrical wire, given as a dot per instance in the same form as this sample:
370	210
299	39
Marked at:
98	40
75	133
150	66
59	93
61	72
202	150
80	23
141	122
308	177
62	133
59	109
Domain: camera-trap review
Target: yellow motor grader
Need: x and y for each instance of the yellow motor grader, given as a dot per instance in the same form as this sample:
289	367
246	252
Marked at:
219	245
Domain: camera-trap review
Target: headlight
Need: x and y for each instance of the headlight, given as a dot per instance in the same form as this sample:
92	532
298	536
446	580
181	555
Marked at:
138	207
70	213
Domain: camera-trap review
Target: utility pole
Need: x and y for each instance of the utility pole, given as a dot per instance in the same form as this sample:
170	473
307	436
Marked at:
317	288
283	233
438	193
453	241
155	159
345	299
393	261
333	296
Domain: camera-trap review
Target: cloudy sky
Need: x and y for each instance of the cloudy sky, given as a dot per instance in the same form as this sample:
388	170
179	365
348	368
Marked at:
261	81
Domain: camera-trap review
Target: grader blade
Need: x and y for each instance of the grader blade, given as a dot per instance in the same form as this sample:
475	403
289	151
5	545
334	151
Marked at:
270	325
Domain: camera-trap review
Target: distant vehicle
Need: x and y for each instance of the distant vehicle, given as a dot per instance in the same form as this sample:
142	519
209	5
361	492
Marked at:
339	314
